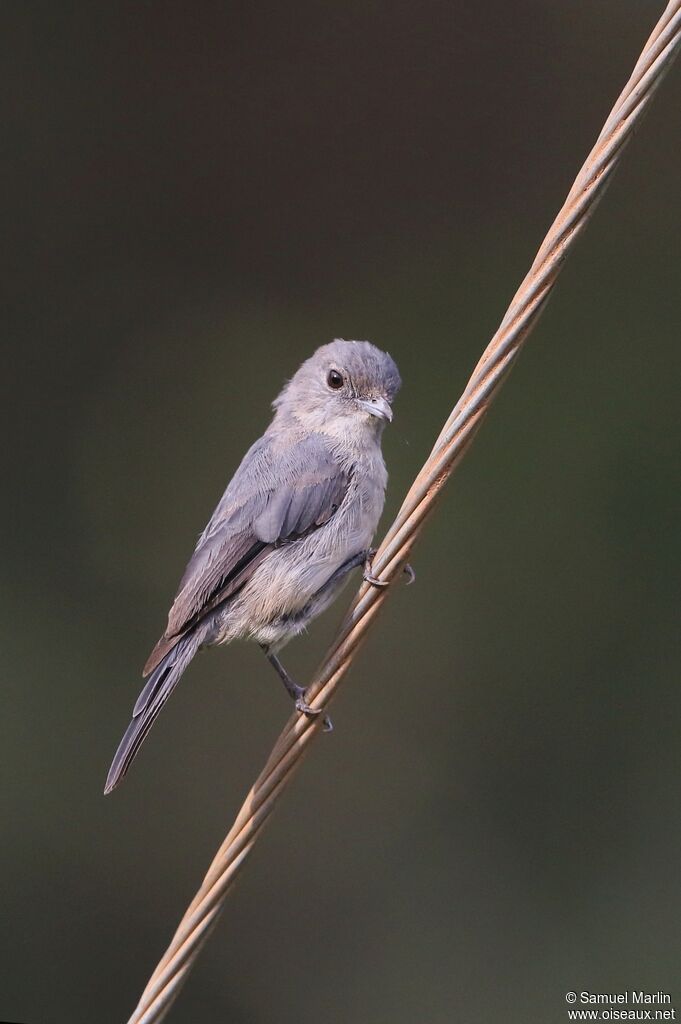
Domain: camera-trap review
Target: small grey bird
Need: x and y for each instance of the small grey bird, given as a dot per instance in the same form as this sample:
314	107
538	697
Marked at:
298	515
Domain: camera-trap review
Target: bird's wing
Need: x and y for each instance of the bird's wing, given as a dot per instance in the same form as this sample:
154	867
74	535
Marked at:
276	496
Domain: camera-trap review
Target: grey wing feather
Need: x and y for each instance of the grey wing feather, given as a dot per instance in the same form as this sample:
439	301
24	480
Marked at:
302	504
274	498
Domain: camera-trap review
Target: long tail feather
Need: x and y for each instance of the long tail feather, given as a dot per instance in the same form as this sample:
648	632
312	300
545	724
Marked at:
158	688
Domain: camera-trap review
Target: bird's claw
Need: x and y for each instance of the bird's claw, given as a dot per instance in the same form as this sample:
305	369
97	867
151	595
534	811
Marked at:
374	580
369	577
305	709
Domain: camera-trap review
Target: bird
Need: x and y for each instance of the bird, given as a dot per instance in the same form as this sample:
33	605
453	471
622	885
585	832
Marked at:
297	517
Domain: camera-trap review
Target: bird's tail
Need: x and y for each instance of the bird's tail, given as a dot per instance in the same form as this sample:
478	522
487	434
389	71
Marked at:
158	688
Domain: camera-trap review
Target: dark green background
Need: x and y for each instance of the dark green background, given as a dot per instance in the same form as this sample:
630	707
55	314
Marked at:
197	196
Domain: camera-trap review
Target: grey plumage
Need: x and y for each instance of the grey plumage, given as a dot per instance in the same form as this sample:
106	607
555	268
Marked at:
300	511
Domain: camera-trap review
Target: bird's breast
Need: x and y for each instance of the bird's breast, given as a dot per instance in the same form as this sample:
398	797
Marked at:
293	575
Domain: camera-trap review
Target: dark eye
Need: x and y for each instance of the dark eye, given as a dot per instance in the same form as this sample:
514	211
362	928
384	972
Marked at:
334	380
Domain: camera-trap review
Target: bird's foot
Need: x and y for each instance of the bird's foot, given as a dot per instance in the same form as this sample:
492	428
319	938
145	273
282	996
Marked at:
369	577
296	692
305	709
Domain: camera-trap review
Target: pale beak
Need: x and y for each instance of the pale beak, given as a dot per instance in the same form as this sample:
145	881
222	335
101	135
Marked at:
378	407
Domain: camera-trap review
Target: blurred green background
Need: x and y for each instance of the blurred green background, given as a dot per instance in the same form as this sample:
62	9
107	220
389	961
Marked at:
197	195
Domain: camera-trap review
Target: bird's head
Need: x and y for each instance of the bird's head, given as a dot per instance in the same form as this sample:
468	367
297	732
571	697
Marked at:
345	388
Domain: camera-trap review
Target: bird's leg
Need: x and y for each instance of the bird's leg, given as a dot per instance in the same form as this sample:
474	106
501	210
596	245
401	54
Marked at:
369	577
295	692
352	563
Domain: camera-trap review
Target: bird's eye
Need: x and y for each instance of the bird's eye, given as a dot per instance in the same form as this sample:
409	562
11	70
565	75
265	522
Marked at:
334	380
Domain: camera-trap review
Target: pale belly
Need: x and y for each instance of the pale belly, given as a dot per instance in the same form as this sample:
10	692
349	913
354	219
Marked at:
291	587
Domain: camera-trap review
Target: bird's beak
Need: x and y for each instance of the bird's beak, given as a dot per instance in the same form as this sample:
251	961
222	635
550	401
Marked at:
378	407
